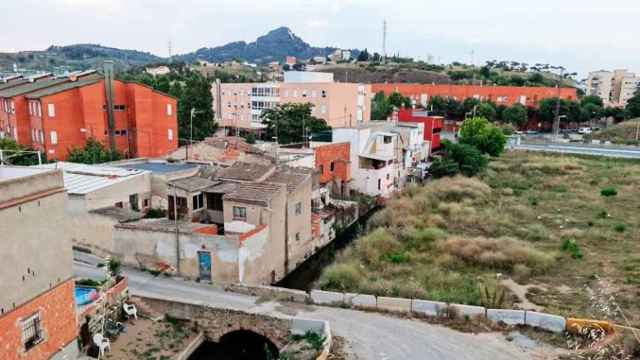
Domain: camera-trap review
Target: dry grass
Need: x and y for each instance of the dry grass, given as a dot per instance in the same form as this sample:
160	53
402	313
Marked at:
441	241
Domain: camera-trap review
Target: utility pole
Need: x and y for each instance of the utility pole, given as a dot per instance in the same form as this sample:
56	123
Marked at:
556	121
384	41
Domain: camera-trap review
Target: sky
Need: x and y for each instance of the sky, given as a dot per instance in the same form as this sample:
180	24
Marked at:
582	35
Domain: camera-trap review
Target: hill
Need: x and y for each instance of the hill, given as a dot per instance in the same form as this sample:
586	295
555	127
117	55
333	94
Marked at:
75	57
273	46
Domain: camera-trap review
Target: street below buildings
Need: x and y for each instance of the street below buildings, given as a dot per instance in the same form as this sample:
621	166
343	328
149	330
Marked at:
579	149
368	335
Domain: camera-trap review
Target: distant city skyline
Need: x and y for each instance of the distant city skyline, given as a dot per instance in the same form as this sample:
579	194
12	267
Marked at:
449	31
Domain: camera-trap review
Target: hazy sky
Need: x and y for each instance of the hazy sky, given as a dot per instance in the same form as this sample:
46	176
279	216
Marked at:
580	34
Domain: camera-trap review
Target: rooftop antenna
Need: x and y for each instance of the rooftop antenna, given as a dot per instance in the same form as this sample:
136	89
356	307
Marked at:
384	40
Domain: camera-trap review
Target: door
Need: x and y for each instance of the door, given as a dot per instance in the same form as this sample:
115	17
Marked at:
204	264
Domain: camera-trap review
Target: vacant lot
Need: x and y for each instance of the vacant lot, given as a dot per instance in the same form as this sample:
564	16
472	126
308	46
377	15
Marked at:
554	233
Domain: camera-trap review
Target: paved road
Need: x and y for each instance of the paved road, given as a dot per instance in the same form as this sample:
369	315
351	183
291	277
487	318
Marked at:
369	335
608	151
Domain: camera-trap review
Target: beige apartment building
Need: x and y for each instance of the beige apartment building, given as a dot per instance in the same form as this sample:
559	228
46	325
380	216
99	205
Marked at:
240	106
615	88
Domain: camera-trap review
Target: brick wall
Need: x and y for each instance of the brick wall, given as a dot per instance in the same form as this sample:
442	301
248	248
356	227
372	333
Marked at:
58	315
339	154
502	95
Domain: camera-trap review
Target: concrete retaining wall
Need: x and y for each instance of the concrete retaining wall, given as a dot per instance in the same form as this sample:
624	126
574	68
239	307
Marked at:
509	317
548	322
394	304
467	310
543	321
361	300
429	308
301	326
326	297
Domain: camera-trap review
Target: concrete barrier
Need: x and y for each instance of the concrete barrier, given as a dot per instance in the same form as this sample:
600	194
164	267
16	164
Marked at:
509	317
553	323
430	308
468	310
276	293
326	297
394	304
301	326
360	300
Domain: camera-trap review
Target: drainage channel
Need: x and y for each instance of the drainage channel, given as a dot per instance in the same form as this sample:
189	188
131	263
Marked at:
305	276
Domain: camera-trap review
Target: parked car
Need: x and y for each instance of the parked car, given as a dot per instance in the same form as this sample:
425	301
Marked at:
585	130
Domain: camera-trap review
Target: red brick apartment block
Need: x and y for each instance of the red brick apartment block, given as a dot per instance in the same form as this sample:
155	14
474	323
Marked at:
57	115
57	312
501	95
333	162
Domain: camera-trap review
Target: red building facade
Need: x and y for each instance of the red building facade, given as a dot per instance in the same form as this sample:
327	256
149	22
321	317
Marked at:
432	124
333	162
421	94
56	116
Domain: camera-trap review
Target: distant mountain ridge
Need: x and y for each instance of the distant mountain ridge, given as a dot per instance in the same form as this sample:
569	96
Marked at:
273	46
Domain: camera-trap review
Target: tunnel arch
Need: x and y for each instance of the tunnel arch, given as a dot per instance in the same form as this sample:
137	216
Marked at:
240	344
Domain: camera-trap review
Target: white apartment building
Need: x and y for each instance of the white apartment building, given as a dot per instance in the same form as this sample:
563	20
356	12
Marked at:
383	154
615	88
240	106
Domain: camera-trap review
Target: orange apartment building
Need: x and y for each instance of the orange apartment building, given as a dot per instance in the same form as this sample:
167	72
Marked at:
57	115
37	306
421	94
240	105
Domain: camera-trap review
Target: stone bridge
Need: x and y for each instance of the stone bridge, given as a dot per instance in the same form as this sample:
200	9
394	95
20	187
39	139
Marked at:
214	323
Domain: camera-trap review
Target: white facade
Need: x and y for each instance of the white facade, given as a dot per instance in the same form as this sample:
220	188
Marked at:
307	77
382	155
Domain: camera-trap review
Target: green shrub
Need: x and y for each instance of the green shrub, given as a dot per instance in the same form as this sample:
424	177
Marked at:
492	296
537	232
572	247
609	192
481	134
443	167
312	338
469	159
398	258
341	277
620	228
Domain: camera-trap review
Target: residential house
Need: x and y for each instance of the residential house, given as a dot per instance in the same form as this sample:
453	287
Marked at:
37	307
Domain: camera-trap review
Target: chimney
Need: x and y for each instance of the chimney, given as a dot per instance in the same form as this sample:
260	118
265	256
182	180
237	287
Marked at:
108	87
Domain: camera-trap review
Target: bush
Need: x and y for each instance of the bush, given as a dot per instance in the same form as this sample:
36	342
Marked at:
341	277
443	167
609	192
501	253
481	134
537	232
469	159
620	228
572	247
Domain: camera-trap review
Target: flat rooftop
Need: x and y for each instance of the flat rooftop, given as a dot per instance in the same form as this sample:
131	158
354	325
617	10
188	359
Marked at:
81	179
159	167
15	172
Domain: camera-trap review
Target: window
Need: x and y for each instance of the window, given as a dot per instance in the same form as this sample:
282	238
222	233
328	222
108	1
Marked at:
198	201
39	108
122	108
324	93
13	107
123	132
321	169
31	331
298	208
170	134
379	184
134	202
51	109
54	137
239	213
387	139
169	110
145	203
119	204
332	166
297	236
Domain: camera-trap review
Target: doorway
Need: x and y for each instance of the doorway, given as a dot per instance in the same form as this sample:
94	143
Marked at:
204	265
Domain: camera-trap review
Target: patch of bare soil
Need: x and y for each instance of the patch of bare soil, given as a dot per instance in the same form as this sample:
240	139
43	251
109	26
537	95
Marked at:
146	339
339	350
520	291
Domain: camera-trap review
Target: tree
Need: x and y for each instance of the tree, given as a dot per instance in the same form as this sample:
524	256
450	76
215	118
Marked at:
592	99
458	158
515	115
93	152
196	95
364	55
469	104
481	134
438	105
287	121
633	105
396	99
381	109
487	110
